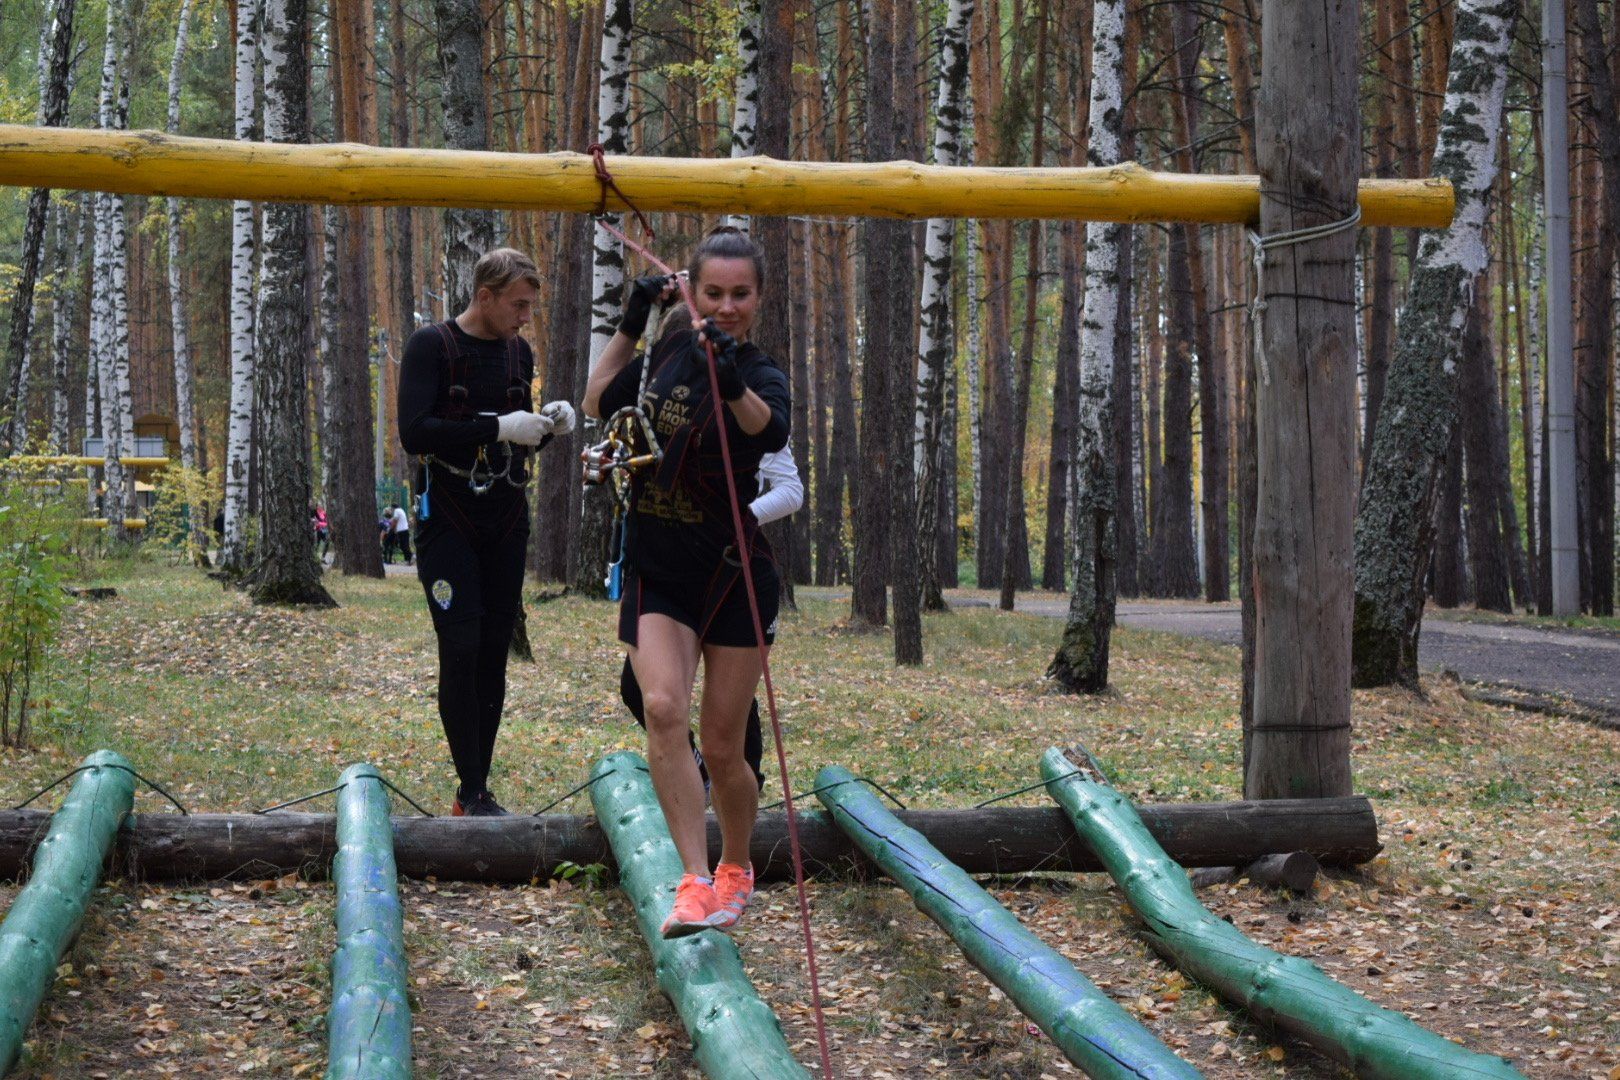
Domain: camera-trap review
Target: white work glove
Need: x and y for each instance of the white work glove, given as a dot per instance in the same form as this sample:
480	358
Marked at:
561	415
523	428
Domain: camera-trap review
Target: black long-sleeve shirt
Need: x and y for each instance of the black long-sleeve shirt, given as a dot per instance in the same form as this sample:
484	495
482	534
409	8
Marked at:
496	374
680	532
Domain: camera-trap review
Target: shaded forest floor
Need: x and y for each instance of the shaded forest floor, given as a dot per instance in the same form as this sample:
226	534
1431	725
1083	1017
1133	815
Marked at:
1493	915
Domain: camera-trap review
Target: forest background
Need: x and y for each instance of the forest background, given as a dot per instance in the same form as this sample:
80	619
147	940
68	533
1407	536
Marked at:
524	77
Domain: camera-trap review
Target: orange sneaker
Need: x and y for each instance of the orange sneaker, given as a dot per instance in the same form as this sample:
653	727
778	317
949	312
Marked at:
696	908
733	888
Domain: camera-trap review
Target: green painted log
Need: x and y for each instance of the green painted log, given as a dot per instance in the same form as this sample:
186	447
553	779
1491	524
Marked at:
734	1033
1286	991
45	916
368	1027
1085	1023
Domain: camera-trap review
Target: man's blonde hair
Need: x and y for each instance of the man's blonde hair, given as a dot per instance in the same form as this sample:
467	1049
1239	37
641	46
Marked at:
499	268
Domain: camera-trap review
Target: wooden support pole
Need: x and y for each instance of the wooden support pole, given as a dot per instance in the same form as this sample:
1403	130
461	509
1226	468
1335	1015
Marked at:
154	163
994	840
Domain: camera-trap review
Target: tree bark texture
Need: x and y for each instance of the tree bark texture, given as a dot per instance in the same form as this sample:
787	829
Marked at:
351	500
55	56
1478	420
1081	662
1174	558
936	348
467	233
607	282
1394	523
244	250
1308	136
285	570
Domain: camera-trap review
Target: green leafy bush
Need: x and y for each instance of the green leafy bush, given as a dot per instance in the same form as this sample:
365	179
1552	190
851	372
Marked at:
179	519
38	529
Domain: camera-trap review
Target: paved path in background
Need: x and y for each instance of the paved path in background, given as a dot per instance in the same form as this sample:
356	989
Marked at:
1583	666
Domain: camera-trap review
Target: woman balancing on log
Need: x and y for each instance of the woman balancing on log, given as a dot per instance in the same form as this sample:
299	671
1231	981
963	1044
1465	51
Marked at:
466	406
684	599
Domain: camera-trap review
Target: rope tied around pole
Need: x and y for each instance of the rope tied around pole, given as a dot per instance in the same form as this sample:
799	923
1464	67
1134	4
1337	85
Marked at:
1263	244
599	156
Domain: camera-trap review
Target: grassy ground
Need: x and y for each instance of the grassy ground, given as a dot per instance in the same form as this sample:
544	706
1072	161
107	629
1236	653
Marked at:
1492	916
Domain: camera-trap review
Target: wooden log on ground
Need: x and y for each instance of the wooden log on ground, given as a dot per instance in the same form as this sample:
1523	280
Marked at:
993	840
1295	871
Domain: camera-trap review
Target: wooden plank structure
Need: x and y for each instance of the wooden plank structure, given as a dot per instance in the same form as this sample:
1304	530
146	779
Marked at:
993	840
155	163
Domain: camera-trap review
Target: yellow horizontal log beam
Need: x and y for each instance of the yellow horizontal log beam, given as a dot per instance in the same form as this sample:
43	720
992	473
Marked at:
78	461
153	163
101	523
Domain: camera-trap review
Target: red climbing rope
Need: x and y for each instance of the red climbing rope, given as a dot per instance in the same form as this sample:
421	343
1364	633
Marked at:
744	551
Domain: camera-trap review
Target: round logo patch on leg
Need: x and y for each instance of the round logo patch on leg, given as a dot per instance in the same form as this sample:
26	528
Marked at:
443	594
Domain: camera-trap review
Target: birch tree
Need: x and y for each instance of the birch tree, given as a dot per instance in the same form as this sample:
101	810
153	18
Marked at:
285	570
239	436
64	307
183	378
936	346
1081	663
745	92
109	302
55	62
1394	526
607	273
467	233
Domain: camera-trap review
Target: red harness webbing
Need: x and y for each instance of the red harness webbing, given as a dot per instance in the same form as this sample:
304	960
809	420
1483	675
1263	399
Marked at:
602	173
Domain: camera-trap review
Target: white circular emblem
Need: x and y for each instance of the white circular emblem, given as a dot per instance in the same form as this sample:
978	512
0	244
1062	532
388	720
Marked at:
442	594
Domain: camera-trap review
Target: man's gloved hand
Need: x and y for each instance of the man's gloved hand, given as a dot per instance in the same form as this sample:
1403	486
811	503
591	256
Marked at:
727	376
523	428
561	415
644	293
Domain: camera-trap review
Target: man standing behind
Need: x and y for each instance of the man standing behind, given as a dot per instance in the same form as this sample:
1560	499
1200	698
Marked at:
466	408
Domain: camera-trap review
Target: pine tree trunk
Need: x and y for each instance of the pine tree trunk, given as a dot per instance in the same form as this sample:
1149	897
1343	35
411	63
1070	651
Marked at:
1450	577
1126	447
467	233
55	55
1395	520
1065	404
1308	136
1174	557
936	347
607	283
285	570
882	240
1081	662
239	438
1487	555
1595	365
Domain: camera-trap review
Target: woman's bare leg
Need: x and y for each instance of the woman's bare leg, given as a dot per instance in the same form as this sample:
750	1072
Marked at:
730	676
665	664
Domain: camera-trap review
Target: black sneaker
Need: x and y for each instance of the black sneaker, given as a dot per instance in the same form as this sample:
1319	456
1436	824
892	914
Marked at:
484	805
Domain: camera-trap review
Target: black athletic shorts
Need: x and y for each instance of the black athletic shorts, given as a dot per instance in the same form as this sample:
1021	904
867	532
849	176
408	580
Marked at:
716	610
467	571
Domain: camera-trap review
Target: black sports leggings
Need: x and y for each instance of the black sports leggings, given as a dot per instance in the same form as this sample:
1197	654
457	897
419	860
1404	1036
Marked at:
473	578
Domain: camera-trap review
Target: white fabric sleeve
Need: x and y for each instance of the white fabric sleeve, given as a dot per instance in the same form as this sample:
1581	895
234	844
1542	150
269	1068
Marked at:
783	494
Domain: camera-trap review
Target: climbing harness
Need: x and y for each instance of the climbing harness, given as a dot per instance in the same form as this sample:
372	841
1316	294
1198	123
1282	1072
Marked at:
598	154
482	476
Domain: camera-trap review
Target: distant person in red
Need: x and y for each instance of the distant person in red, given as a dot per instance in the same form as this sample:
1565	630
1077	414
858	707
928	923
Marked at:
466	407
323	533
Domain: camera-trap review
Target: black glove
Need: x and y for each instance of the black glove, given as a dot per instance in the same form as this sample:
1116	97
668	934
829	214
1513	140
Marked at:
644	293
726	374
